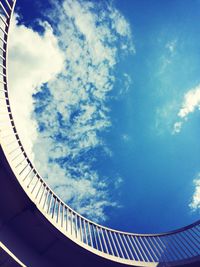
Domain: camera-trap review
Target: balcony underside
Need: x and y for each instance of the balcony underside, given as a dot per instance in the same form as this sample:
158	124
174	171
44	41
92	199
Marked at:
32	238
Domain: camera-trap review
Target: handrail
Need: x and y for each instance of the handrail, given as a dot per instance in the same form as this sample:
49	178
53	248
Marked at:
180	245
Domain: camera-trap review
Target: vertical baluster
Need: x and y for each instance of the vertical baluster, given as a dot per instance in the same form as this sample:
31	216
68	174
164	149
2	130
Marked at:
23	169
35	185
184	248
2	56
47	194
196	234
8	4
137	240
197	242
90	235
29	173
49	206
133	248
63	215
173	244
20	163
119	246
85	231
147	255
42	193
113	241
3	90
71	221
156	246
38	189
95	238
150	250
123	246
197	227
54	206
5	12
181	249
76	226
134	239
2	19
191	239
164	242
104	241
130	251
101	247
67	210
81	229
31	180
110	245
58	212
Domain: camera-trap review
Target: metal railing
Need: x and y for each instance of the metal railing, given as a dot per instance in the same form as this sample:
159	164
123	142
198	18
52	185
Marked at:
170	248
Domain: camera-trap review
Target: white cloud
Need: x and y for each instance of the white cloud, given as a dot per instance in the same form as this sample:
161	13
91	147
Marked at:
167	57
195	203
171	46
120	24
125	137
165	117
118	182
190	103
33	60
70	109
177	127
125	84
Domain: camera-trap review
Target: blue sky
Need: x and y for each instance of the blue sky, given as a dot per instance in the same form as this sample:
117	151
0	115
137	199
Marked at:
112	92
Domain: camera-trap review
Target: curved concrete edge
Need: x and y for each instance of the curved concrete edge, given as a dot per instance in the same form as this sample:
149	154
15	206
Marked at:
15	260
20	226
47	216
32	238
65	234
21	214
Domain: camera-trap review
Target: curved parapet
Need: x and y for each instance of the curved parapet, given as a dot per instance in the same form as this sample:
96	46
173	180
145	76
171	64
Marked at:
168	249
7	258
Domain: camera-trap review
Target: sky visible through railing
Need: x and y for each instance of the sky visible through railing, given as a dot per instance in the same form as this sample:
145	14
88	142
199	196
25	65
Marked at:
106	99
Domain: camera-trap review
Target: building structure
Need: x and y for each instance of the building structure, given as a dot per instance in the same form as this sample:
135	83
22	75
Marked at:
38	229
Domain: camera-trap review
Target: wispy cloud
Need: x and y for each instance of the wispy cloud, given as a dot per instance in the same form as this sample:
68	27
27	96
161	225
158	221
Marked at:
195	203
171	46
190	103
167	56
125	137
65	91
165	116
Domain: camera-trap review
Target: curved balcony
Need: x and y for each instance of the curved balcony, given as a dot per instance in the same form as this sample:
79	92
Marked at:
173	248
